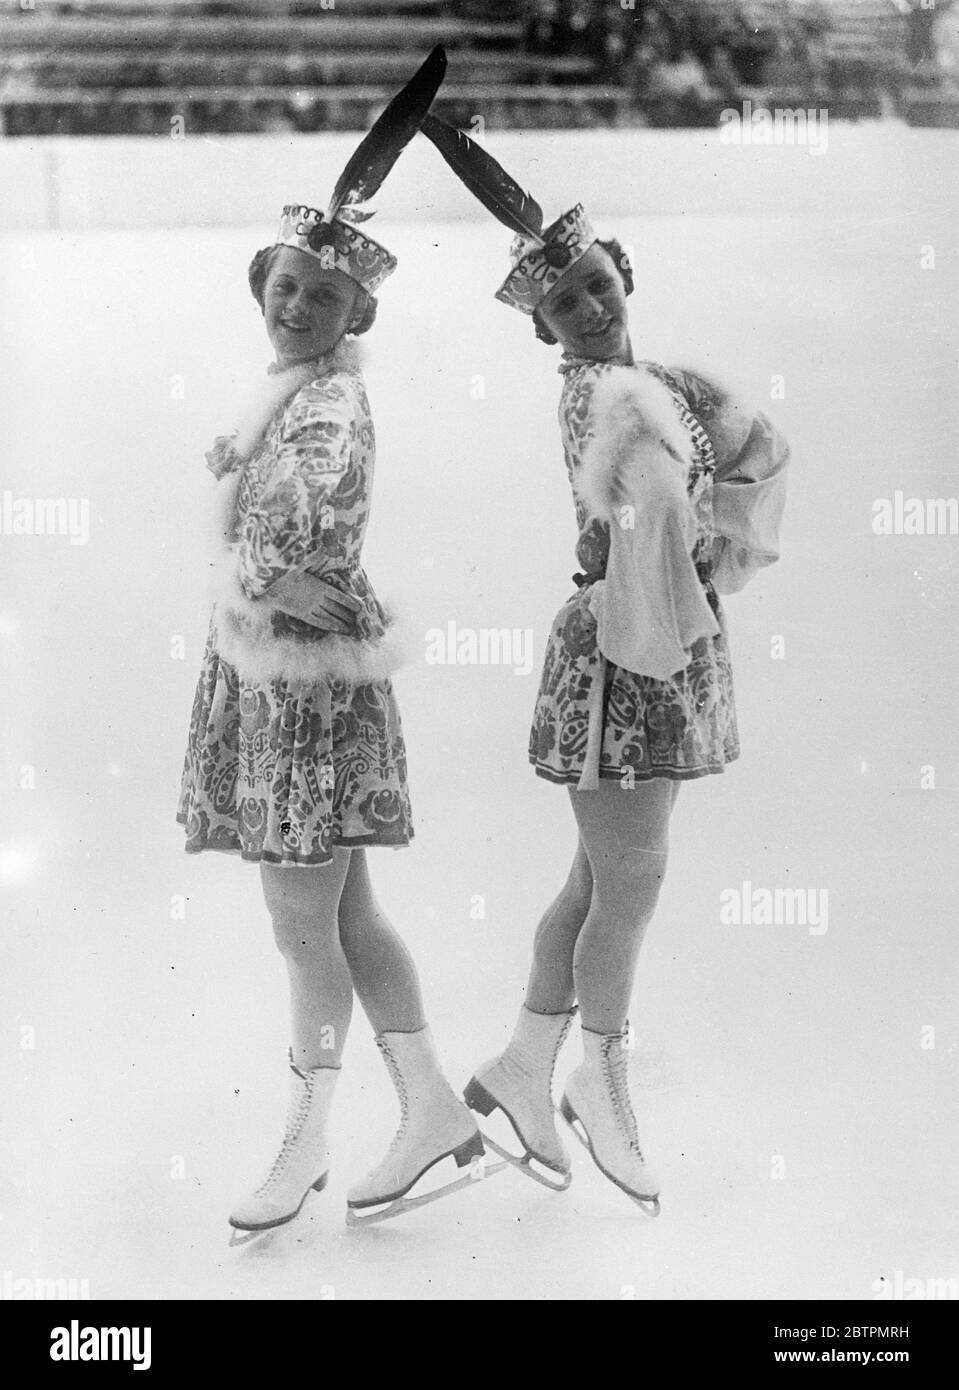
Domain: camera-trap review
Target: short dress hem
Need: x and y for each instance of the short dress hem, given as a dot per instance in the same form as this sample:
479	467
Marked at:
666	774
294	861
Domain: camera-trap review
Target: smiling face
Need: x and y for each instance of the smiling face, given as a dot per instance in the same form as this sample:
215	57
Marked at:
306	307
586	308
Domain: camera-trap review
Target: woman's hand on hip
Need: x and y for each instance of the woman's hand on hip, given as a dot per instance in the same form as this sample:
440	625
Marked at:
313	601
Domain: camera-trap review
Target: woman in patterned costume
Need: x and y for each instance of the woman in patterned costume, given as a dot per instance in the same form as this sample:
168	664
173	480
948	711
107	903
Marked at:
678	492
295	758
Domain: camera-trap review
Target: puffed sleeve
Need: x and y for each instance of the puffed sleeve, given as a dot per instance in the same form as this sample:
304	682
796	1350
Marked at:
749	495
313	454
749	484
223	457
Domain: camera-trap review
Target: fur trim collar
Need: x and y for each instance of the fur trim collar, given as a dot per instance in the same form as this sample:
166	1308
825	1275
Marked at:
634	421
280	385
272	393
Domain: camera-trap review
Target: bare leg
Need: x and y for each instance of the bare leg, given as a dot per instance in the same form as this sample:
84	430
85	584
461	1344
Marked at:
303	904
383	972
551	989
626	837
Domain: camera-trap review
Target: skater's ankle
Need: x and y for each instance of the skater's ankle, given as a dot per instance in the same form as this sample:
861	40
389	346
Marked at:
312	1063
548	1008
603	1027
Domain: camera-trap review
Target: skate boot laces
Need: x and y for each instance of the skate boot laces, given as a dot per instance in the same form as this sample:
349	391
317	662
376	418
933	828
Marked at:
296	1118
399	1084
617	1084
532	1071
556	1051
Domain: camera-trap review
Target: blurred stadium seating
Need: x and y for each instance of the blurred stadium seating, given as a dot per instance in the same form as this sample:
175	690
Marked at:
135	67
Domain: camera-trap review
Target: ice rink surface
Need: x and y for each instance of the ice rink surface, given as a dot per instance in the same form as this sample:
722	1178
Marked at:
798	1091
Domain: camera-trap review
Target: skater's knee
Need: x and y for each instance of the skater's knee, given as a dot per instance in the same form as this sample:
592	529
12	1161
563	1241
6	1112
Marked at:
300	929
636	850
306	946
572	903
578	889
360	918
295	936
630	881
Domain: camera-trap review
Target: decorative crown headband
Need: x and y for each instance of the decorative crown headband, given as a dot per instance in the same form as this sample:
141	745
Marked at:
336	244
332	236
537	268
540	258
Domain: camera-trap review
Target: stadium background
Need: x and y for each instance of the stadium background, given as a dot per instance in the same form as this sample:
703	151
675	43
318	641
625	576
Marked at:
131	66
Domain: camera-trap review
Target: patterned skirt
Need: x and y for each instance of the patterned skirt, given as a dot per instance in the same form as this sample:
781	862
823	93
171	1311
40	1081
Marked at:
284	773
679	728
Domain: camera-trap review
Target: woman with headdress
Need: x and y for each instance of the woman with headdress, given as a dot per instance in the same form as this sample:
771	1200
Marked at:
679	492
296	759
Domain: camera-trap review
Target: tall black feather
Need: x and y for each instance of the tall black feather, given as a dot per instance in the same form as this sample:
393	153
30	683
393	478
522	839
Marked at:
486	179
376	154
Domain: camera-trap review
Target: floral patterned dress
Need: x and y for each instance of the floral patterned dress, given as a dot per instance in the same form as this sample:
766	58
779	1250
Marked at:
679	728
278	770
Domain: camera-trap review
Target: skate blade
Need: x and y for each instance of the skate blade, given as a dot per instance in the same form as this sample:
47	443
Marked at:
480	1170
479	1099
556	1182
648	1205
239	1237
242	1235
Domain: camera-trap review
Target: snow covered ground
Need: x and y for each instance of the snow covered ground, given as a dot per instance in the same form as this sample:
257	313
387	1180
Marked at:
798	1089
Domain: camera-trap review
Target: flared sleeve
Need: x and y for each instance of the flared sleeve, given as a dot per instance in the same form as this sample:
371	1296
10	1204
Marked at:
749	484
650	608
313	452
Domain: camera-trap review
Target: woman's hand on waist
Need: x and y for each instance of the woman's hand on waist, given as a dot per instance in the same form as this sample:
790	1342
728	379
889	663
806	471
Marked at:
312	600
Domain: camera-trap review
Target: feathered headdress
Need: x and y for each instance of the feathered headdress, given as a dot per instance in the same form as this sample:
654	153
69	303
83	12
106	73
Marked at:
332	235
540	256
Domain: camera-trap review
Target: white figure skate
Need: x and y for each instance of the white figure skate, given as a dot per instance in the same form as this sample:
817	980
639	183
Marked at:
597	1107
519	1083
434	1125
302	1163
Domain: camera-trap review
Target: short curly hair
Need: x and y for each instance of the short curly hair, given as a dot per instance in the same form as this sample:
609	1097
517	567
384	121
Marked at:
623	265
259	269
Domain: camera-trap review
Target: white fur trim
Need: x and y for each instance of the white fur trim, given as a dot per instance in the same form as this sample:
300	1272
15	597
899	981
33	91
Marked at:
729	424
261	404
276	389
272	392
725	385
635	425
245	638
